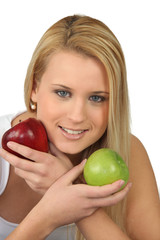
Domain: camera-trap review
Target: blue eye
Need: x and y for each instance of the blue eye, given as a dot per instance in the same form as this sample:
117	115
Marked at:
97	98
63	93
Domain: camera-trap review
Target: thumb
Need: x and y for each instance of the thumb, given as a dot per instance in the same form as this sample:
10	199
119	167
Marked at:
75	172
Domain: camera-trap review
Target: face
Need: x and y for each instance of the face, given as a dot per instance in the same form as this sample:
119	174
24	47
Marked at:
72	101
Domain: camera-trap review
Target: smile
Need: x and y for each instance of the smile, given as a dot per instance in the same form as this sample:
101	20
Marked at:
72	134
72	131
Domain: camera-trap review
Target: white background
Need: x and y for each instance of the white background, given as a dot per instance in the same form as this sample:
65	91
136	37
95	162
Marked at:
135	23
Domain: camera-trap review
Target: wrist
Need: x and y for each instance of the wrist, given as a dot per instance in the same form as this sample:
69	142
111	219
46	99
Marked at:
40	220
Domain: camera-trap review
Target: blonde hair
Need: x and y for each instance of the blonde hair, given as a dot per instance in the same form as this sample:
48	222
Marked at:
93	38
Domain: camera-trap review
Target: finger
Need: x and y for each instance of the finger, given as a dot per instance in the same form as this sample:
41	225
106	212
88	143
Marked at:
103	191
74	172
28	176
27	152
17	162
31	178
112	199
39	190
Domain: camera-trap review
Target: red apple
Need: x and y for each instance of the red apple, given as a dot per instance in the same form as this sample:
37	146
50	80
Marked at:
30	132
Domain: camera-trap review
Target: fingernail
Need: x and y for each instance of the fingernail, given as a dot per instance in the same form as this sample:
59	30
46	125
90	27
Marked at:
121	183
130	185
84	162
9	144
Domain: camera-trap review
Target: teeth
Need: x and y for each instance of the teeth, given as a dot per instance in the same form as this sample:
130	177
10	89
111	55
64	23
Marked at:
72	131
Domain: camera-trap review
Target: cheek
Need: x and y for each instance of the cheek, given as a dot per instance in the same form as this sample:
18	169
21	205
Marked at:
101	118
48	110
100	122
42	106
45	106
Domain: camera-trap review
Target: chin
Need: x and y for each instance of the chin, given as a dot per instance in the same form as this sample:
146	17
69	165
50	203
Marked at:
71	150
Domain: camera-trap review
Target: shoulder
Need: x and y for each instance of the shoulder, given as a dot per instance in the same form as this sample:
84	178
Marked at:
140	165
136	146
138	154
143	205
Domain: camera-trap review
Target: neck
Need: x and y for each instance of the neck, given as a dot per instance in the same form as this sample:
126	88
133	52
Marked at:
75	158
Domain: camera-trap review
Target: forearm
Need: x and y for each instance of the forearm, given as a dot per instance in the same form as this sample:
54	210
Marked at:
35	226
100	226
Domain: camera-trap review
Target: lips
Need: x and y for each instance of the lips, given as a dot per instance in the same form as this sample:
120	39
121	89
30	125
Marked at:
72	134
72	131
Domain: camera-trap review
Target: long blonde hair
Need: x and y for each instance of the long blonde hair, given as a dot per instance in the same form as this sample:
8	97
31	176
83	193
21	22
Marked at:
93	38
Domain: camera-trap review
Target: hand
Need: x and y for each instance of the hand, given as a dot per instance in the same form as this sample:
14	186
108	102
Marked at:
43	170
66	203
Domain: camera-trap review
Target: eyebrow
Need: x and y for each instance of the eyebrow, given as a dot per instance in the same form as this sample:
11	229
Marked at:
100	92
68	88
63	86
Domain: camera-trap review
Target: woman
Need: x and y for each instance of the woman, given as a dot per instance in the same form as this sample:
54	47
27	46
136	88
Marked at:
76	85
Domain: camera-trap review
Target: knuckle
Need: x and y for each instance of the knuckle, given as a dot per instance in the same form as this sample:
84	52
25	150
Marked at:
16	170
18	163
114	186
21	164
89	204
113	201
106	202
37	182
89	211
86	191
29	153
117	197
46	156
34	187
43	171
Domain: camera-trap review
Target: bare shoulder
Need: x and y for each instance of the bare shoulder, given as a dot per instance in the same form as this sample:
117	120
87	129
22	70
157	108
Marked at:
140	165
136	146
143	204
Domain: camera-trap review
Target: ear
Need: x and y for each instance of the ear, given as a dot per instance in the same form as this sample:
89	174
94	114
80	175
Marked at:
34	92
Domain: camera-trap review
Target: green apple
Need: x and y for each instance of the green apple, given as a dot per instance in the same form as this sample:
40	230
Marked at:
105	166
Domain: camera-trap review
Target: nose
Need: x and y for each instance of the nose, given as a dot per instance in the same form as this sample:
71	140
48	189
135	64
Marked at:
77	112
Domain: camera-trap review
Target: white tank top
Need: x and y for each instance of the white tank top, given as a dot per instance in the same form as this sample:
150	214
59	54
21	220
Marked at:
61	233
